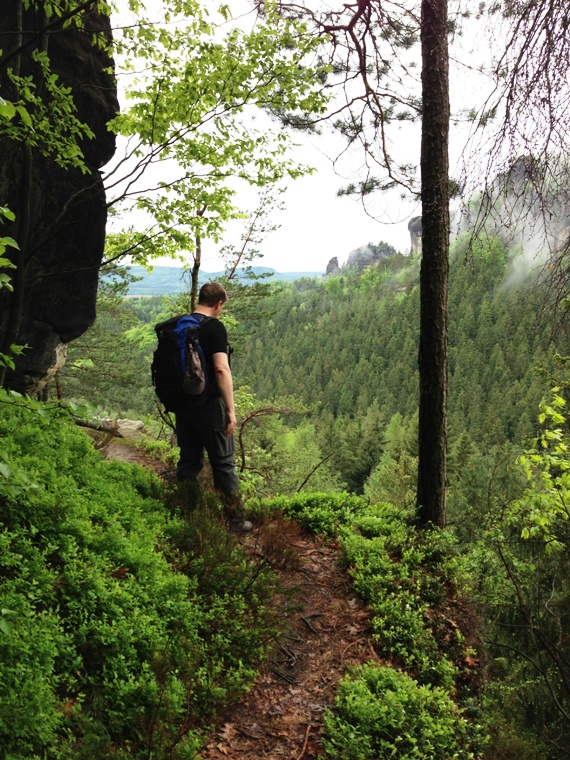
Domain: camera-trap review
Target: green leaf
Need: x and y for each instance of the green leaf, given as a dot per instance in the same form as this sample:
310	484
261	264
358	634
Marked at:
7	109
25	116
5	626
9	241
5	212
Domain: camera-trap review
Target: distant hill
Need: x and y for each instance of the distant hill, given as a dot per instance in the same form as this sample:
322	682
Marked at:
168	280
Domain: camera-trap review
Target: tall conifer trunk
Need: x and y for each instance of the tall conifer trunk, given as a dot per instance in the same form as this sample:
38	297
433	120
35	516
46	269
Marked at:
435	265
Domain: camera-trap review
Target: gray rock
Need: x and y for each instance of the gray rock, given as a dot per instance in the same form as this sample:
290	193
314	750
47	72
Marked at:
132	429
369	254
332	267
415	229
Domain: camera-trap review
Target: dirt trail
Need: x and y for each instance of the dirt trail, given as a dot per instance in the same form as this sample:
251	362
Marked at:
124	450
282	716
327	629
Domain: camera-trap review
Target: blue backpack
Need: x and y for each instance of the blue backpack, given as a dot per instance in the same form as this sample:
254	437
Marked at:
179	371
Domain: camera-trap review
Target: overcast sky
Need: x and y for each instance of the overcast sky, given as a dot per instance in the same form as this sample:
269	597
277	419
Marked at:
316	224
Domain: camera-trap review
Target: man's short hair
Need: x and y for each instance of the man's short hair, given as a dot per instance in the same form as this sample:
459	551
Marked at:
212	293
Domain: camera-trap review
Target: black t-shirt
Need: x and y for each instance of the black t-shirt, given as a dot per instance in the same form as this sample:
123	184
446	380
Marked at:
214	340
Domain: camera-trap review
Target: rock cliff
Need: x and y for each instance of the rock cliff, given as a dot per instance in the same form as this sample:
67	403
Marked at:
55	284
332	267
415	230
369	254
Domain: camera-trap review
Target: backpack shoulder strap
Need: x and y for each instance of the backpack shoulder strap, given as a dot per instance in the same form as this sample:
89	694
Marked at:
200	318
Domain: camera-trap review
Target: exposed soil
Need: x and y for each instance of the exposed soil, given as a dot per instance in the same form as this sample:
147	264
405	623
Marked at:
327	630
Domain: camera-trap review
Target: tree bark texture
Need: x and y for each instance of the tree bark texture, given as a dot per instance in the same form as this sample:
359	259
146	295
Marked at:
433	359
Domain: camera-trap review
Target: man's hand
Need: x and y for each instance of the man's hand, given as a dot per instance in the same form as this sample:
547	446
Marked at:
231	423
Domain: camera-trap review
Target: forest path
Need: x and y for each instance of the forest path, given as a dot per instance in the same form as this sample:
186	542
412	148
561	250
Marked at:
326	628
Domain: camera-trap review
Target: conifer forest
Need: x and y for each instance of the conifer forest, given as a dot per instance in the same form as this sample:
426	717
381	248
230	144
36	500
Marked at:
402	439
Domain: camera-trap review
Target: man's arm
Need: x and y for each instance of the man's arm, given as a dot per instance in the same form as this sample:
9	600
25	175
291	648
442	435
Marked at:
226	388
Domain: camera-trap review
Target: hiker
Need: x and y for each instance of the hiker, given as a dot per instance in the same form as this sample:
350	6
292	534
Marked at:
211	426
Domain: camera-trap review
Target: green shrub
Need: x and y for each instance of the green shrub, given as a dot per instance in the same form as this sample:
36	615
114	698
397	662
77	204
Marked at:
383	713
132	618
522	580
29	678
402	575
322	513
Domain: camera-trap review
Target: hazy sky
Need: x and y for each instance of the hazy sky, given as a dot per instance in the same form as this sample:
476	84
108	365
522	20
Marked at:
316	224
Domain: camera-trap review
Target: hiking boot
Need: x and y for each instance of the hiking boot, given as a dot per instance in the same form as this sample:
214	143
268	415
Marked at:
239	526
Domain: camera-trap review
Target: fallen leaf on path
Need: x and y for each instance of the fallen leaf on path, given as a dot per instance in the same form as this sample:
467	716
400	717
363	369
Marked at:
228	732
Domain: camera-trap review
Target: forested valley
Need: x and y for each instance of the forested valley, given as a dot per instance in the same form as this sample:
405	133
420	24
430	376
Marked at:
402	439
340	354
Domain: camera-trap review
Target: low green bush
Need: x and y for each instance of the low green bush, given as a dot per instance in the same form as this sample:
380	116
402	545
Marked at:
383	713
128	616
402	574
322	513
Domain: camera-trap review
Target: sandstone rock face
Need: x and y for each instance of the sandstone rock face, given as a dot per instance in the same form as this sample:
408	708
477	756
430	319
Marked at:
369	254
415	229
523	210
131	429
332	267
56	281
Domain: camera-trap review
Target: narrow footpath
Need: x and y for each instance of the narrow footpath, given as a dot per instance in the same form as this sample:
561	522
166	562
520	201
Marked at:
326	630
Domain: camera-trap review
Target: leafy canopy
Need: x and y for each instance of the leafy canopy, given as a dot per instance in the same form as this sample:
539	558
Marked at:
197	117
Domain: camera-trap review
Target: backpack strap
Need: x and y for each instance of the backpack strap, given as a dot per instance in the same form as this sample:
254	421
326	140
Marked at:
201	318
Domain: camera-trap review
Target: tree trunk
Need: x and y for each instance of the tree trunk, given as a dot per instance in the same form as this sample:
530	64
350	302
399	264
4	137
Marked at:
196	273
435	266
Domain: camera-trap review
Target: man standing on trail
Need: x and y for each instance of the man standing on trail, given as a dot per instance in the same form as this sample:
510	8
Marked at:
211	426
